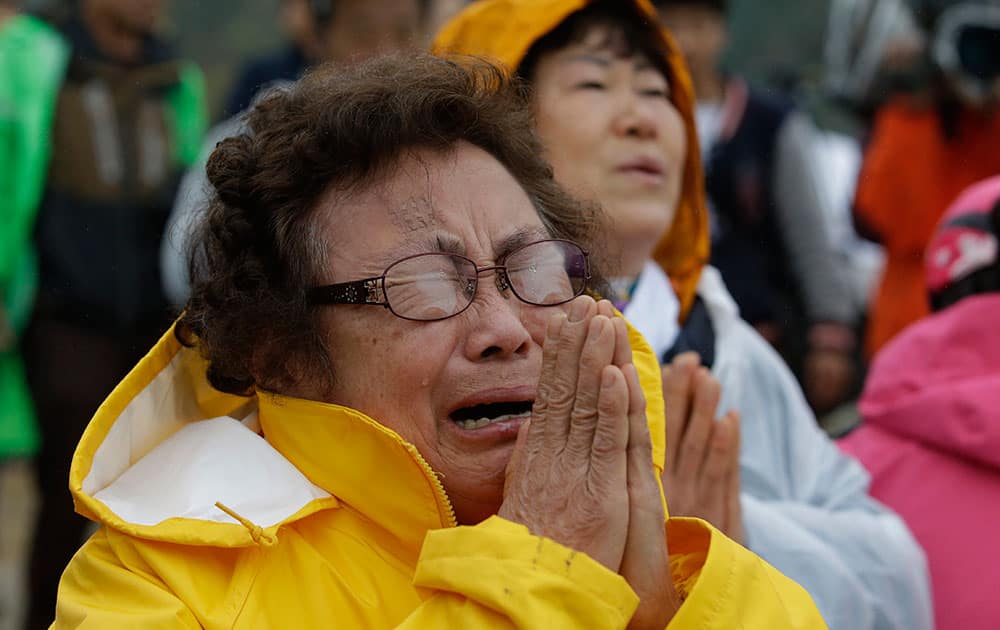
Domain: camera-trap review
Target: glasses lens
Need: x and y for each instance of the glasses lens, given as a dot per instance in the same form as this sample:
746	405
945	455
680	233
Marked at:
430	286
547	273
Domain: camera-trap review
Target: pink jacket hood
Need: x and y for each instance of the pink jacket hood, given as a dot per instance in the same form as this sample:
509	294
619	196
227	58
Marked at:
938	382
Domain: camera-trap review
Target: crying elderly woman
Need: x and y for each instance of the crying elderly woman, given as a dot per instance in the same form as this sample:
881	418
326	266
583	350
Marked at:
393	399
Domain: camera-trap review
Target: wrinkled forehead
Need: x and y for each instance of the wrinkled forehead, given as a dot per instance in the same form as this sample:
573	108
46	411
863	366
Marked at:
461	200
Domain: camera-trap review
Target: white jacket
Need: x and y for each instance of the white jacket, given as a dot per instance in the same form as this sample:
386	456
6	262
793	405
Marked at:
806	507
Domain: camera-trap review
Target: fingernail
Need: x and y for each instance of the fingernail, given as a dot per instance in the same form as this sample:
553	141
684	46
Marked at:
579	310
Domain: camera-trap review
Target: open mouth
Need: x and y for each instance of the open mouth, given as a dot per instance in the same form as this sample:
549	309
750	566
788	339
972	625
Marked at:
478	416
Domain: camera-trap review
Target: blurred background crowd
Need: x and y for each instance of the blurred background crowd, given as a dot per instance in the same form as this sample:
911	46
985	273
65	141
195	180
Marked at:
835	134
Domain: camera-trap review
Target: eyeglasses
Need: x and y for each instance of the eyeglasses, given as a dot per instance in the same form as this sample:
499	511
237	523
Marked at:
434	286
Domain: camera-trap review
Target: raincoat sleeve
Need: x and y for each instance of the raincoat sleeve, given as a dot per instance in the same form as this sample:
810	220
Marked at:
806	507
497	575
101	590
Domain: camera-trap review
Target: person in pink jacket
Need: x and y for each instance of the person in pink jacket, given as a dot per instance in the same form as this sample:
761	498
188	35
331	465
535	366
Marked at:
931	415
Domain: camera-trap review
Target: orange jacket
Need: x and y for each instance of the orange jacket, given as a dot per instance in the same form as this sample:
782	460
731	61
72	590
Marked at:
911	173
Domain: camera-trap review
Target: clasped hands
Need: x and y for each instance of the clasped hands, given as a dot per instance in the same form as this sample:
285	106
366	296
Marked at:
582	472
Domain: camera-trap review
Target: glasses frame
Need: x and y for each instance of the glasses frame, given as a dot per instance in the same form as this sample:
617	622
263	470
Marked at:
371	291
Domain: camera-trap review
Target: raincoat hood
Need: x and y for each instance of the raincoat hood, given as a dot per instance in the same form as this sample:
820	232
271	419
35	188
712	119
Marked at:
505	30
169	458
938	382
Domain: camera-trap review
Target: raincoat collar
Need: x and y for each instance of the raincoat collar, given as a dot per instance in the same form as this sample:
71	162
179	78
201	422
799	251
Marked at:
169	458
365	465
505	30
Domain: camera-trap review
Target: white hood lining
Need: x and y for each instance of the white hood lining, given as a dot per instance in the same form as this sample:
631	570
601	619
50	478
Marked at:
161	409
654	309
161	459
218	460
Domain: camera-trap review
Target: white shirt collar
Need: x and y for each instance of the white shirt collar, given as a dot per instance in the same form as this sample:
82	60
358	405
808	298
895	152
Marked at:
654	309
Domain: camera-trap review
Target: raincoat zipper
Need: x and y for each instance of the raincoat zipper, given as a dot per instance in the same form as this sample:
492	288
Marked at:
442	495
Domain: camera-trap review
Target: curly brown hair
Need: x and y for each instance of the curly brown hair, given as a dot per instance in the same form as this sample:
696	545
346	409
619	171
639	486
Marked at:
258	248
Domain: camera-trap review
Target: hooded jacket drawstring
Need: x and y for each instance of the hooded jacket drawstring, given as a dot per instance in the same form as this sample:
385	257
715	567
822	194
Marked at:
257	533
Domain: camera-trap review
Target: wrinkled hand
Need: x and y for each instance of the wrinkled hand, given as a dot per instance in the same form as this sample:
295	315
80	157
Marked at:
646	563
568	476
701	474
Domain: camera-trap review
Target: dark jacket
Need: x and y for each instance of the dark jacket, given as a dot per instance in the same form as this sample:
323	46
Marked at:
769	236
119	140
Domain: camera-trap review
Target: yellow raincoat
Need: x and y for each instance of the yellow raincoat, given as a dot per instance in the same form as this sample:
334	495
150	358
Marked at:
276	512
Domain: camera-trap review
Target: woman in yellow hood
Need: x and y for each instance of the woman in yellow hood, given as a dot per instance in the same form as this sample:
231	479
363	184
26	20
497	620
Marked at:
292	456
614	108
